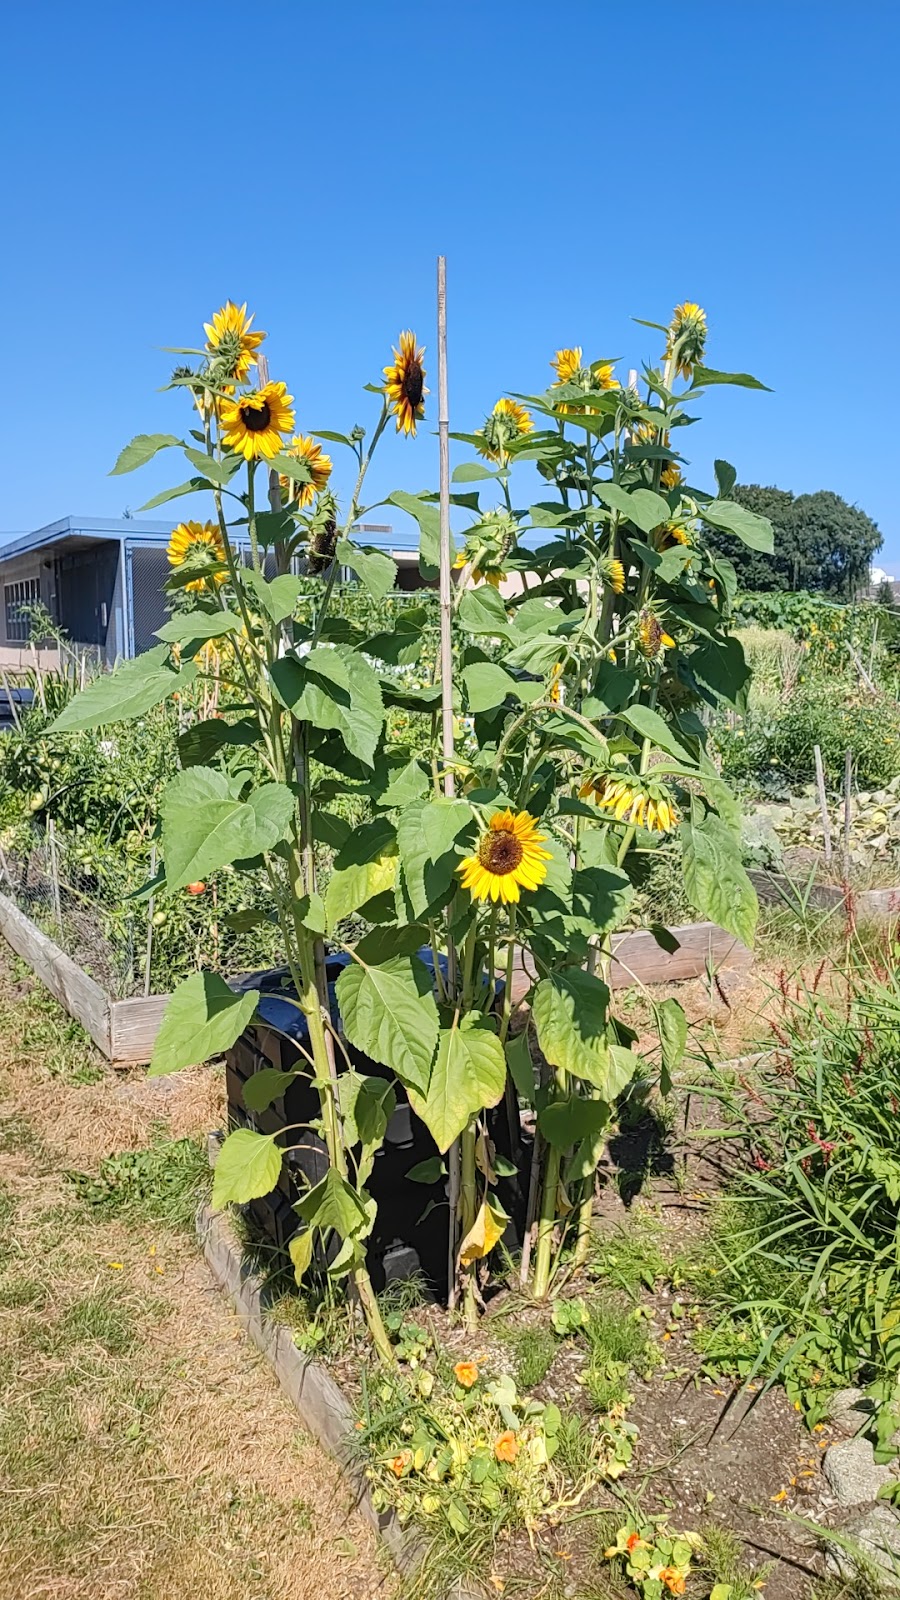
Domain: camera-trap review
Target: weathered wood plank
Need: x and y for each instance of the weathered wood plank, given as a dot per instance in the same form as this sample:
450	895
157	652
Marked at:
78	993
879	905
133	1026
637	958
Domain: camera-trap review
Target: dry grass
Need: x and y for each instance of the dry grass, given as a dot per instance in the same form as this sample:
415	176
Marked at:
146	1452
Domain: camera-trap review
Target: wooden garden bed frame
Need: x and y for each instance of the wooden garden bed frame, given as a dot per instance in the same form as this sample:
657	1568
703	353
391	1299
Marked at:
865	905
125	1030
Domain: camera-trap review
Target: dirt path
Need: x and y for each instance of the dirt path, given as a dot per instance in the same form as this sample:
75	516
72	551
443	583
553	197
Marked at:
146	1452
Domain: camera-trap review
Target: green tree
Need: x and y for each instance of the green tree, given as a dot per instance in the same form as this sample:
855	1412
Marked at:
821	543
884	595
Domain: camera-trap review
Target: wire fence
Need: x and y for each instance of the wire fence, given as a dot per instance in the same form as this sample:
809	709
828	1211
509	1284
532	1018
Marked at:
135	946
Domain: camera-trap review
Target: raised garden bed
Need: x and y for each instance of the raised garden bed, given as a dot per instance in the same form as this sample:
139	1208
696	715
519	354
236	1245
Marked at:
863	905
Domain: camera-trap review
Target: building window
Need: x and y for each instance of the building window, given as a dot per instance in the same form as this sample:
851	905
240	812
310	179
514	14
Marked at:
15	596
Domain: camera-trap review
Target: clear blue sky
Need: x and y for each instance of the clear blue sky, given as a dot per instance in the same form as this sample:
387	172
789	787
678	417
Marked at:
579	164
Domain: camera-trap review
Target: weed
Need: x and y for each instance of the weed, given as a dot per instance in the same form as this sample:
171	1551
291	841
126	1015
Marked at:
96	1318
17	1136
723	1557
630	1258
618	1345
162	1183
533	1351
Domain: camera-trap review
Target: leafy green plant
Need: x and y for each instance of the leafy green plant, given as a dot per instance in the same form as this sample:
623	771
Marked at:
804	1271
163	1182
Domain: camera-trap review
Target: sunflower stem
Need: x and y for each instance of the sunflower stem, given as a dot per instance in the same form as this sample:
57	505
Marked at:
540	1283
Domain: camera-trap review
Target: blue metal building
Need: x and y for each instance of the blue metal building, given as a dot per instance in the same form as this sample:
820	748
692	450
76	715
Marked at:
102	581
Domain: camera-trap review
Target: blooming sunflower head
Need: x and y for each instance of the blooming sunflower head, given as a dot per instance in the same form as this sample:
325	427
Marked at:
635	800
405	384
603	376
509	858
200	544
231	344
253	423
507	421
675	531
670	477
687	337
567	364
651	635
614	575
312	455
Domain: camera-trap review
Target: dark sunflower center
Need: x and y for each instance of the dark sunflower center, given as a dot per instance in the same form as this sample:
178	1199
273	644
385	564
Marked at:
256	418
500	852
414	383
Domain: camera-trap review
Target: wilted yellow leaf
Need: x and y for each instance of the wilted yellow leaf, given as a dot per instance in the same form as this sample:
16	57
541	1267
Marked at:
488	1227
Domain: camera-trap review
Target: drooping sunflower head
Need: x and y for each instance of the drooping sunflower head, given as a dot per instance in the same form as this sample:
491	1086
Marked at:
632	799
507	421
488	545
651	635
322	534
687	337
673	532
253	423
405	384
200	545
509	858
567	364
305	449
614	574
670	477
231	344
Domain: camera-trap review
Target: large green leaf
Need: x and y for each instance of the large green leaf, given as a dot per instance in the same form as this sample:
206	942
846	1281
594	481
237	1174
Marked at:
277	596
704	376
120	696
673	1029
186	625
641	506
469	1074
481	610
365	865
714	877
221	472
334	687
143	447
426	831
202	1019
389	1012
752	530
199	743
650	725
204	826
193	486
565	1123
428	517
570	1014
720	666
488	685
247	1167
376	570
334	1203
521	1066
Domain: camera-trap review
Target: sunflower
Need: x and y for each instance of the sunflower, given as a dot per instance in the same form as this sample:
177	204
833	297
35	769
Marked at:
631	799
614	574
509	858
306	450
567	364
651	636
230	342
602	376
195	542
686	337
405	387
673	532
507	421
254	423
670	477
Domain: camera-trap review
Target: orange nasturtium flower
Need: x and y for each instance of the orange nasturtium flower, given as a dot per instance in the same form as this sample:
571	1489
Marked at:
673	1579
634	1542
400	1463
507	1446
466	1374
196	888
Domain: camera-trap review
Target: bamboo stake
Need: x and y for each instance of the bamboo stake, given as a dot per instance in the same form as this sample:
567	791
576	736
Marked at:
151	907
446	657
54	873
37	675
823	803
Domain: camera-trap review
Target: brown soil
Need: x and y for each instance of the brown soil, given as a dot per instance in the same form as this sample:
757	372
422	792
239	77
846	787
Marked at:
146	1452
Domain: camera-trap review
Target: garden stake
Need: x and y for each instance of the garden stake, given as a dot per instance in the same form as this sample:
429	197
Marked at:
151	907
54	872
823	803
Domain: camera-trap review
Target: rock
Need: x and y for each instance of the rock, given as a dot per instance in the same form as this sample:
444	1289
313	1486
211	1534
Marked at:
876	1533
851	1410
852	1473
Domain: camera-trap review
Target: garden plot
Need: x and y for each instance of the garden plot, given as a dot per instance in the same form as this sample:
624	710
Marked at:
845	854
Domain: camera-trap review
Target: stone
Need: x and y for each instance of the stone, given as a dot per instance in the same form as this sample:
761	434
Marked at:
850	1411
853	1475
875	1533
